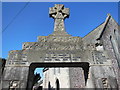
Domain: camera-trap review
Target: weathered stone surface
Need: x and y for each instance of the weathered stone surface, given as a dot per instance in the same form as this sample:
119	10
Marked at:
100	48
77	78
15	74
59	13
100	73
2	66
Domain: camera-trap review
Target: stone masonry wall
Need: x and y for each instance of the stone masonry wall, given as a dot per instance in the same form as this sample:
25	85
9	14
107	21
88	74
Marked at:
112	51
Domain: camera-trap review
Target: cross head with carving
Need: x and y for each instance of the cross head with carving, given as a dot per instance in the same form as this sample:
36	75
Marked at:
59	13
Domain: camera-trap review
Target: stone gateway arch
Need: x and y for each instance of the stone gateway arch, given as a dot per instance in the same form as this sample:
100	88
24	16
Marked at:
89	62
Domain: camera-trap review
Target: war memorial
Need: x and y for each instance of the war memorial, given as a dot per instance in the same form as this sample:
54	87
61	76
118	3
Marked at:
92	61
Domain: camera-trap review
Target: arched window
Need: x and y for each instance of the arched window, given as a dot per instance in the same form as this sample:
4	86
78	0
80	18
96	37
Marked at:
110	37
114	31
115	34
57	85
49	86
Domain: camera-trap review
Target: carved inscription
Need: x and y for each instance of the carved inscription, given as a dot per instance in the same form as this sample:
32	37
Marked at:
61	57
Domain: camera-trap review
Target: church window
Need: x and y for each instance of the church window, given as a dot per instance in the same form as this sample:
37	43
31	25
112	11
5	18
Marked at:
57	85
49	86
114	31
116	35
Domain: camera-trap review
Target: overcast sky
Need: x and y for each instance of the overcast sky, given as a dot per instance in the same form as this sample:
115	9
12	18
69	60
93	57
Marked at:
34	21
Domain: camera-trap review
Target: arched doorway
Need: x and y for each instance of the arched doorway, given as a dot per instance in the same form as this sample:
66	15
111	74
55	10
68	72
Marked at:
57	85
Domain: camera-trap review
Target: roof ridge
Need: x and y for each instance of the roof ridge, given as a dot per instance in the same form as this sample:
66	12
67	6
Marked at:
94	29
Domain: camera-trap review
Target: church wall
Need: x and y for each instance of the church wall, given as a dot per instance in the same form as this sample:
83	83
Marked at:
53	74
101	76
45	79
109	37
110	45
63	77
90	38
103	55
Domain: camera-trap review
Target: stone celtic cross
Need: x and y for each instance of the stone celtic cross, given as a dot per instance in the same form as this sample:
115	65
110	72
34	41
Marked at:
59	13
